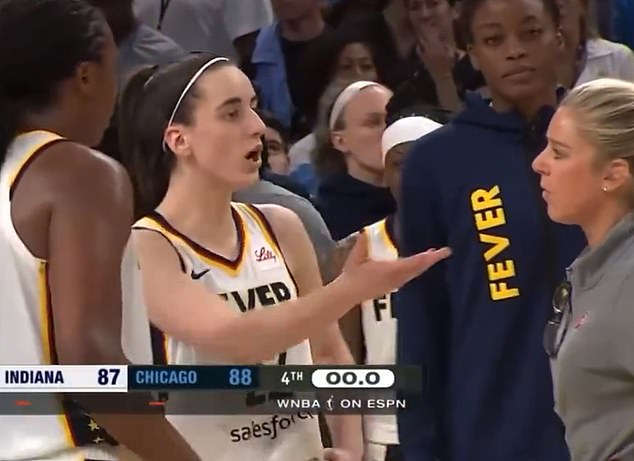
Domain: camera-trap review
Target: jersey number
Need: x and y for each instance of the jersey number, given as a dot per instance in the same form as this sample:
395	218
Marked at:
259	398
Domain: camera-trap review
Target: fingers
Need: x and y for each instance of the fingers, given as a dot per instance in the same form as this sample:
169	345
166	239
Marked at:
419	263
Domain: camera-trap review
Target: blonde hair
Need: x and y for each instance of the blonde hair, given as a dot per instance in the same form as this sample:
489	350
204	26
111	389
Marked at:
605	117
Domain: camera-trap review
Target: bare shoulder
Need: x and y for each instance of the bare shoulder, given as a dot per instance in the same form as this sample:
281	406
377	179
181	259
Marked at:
283	221
79	174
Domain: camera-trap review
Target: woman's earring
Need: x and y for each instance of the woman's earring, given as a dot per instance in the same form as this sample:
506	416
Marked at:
604	188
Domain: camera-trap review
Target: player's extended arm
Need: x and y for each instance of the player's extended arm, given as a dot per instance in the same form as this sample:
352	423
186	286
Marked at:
206	320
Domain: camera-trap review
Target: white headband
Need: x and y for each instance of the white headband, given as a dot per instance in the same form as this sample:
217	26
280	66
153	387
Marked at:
191	83
344	98
406	130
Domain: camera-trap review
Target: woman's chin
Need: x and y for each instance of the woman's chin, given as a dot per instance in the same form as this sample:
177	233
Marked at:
246	180
559	216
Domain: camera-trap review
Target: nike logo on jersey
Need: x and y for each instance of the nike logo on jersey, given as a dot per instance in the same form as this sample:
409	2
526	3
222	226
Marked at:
197	275
263	295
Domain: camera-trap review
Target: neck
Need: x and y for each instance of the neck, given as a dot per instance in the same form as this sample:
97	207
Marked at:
529	107
364	174
304	28
201	209
568	68
599	225
57	121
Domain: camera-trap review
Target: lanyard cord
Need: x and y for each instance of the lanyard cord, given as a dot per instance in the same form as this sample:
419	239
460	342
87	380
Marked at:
164	6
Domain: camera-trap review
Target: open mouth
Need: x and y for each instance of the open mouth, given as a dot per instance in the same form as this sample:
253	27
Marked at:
255	153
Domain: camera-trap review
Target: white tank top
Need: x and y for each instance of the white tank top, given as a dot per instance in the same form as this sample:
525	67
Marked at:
27	333
257	278
379	331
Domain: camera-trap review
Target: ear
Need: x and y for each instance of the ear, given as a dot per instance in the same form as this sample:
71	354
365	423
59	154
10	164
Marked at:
177	141
559	40
338	141
617	174
86	78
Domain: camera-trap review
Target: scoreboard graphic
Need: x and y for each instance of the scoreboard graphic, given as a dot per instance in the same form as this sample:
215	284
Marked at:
28	389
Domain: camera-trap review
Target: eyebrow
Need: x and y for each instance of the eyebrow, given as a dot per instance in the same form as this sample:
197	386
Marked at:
558	143
526	20
236	100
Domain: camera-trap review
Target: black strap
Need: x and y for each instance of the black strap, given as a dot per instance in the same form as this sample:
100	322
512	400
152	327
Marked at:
164	6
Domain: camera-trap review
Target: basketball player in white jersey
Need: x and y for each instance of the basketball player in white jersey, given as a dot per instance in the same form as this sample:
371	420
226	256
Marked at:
193	137
65	212
375	321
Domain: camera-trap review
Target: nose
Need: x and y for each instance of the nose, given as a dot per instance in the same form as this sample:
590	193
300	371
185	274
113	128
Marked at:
256	125
539	163
515	48
425	12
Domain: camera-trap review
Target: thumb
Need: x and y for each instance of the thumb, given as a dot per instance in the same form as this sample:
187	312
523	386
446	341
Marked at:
359	252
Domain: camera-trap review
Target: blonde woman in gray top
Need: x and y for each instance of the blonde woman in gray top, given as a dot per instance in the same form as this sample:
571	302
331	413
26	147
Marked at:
586	177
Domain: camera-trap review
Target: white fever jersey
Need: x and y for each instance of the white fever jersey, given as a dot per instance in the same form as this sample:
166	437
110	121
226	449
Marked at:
257	278
379	330
27	331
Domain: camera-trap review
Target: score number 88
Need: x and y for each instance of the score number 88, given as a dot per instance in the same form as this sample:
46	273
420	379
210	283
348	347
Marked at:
240	377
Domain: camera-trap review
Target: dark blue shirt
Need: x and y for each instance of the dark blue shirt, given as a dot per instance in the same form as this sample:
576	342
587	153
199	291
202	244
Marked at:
348	204
475	322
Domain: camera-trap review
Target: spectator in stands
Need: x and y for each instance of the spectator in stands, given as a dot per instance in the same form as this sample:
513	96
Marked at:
348	157
476	323
224	27
587	56
280	180
440	71
586	175
276	142
277	59
344	55
390	34
138	45
340	12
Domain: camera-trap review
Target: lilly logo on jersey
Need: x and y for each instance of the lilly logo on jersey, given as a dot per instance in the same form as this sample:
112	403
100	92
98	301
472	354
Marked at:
264	254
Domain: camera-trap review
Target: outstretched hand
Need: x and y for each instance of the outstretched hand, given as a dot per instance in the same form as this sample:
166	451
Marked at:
375	278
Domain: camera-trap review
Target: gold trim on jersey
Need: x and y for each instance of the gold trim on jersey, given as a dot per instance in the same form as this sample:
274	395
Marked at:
31	155
48	339
158	223
385	235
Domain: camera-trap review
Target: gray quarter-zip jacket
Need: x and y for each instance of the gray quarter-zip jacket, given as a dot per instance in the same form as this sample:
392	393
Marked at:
593	373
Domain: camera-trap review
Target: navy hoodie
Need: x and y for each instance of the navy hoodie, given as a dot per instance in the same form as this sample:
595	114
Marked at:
475	322
348	204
